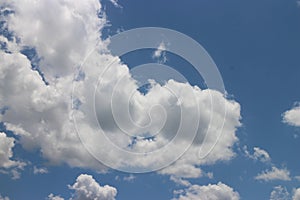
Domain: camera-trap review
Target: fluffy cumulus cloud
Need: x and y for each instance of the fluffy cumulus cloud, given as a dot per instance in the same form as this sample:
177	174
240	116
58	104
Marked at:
292	116
296	195
279	193
38	102
218	191
86	188
274	174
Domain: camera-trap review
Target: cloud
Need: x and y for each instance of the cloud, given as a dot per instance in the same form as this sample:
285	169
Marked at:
62	32
40	113
115	3
41	170
258	154
3	198
296	195
207	192
279	193
180	181
129	178
43	118
86	188
160	53
292	117
6	153
53	197
274	174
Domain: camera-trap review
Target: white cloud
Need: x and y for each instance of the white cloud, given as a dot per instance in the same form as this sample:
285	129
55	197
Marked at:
115	3
40	114
298	3
129	178
86	188
274	174
6	153
3	198
292	117
279	193
180	181
63	32
258	154
160	53
41	170
218	191
296	195
53	197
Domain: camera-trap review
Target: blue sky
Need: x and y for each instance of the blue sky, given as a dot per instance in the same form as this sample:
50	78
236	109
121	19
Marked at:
255	45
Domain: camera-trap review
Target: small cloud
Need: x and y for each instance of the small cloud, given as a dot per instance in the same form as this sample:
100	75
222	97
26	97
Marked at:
129	178
180	181
53	197
274	174
86	187
258	154
292	116
297	178
298	3
116	3
210	175
41	170
160	53
279	193
210	191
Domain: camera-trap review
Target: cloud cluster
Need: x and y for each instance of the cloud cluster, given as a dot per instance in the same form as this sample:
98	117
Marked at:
63	34
208	192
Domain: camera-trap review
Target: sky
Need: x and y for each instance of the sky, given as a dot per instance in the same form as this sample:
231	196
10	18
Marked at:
81	121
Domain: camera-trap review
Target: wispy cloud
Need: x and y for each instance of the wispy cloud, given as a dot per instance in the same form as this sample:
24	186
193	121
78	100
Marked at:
160	53
274	174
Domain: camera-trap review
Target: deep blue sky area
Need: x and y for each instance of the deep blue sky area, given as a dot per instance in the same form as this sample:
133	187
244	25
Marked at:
256	46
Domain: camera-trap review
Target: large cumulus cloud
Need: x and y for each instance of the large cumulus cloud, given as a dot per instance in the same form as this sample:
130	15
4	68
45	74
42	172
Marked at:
64	33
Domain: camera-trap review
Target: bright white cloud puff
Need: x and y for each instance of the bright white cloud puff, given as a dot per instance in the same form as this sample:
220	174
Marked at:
292	116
